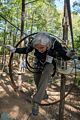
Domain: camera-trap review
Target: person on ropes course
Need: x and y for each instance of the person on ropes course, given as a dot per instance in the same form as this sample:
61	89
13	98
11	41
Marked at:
45	47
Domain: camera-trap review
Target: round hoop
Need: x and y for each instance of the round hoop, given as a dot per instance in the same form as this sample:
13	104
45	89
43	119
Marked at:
11	75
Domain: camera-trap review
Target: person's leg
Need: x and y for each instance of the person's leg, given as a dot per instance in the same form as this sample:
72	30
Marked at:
37	73
37	77
35	106
46	74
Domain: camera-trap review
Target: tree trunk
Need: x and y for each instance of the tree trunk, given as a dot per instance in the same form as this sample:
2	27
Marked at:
63	77
22	44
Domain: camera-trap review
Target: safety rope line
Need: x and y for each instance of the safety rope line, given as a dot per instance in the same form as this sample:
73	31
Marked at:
25	33
11	23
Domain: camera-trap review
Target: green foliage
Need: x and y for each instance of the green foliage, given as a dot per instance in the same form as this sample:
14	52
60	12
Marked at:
76	30
40	15
76	6
45	17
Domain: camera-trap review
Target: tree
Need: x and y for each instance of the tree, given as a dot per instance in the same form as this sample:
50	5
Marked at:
76	6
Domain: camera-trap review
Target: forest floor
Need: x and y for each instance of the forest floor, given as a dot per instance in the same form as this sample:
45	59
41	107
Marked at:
15	105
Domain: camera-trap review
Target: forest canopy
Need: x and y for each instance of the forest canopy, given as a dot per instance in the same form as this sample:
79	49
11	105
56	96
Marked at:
37	15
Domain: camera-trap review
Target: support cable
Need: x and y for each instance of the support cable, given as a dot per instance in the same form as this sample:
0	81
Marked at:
11	23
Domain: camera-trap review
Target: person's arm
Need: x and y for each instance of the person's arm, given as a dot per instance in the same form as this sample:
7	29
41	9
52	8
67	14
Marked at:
24	50
63	53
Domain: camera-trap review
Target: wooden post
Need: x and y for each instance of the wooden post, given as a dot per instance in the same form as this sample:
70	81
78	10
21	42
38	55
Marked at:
62	93
22	44
63	77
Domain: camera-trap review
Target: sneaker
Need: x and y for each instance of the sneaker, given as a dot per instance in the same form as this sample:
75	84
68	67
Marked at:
35	109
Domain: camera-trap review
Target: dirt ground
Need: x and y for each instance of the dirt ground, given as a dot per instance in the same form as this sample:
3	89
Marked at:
15	105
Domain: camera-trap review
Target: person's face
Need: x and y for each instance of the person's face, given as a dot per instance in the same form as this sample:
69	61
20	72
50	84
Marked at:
40	48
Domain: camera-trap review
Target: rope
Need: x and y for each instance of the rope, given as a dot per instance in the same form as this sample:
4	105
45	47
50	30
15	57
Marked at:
11	23
25	33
